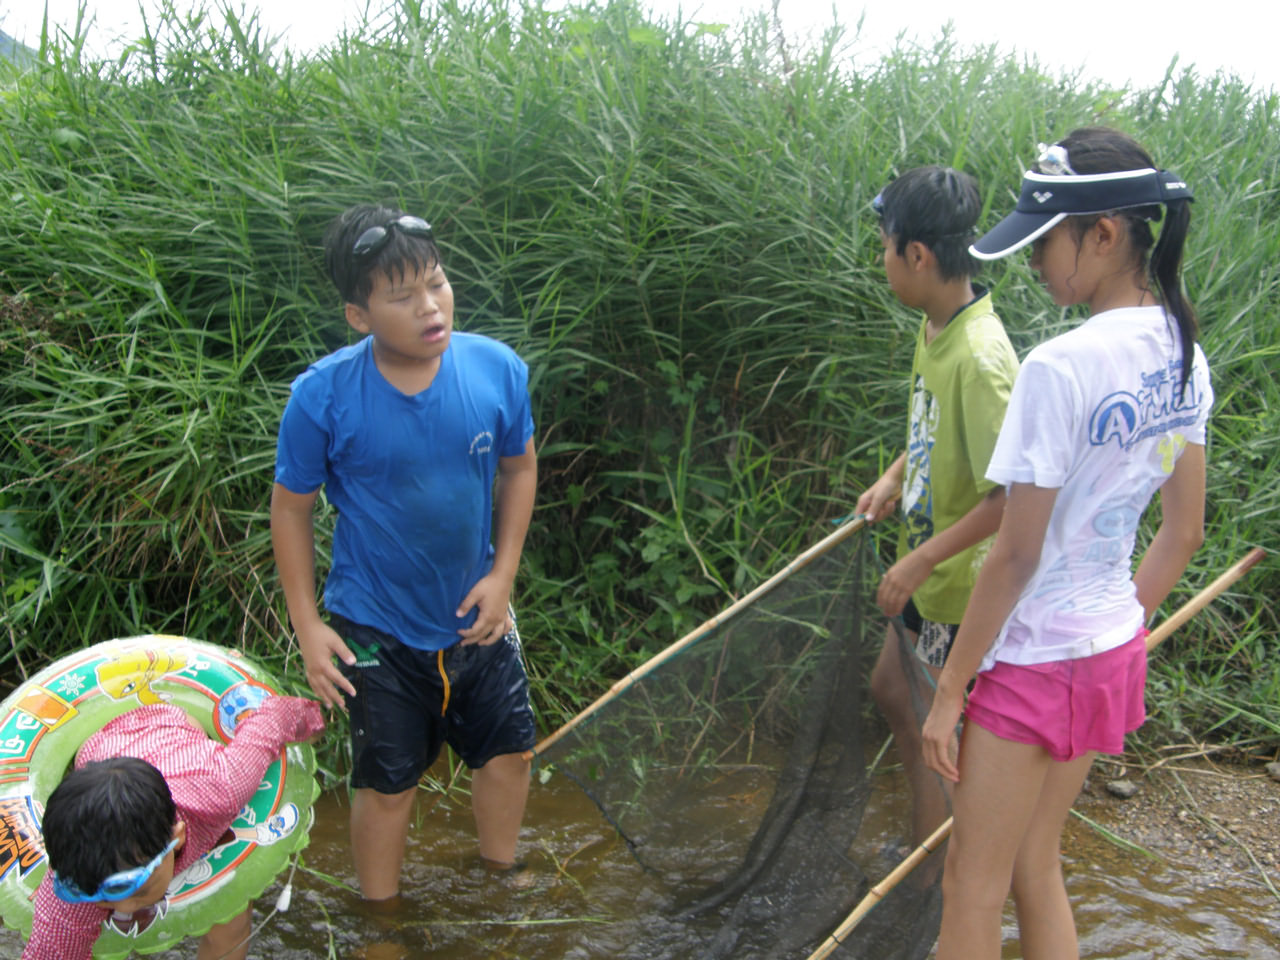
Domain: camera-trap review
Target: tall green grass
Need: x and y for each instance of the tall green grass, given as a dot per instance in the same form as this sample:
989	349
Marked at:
669	221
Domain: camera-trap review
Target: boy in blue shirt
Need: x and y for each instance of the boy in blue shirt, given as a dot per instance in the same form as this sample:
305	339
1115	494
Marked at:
407	430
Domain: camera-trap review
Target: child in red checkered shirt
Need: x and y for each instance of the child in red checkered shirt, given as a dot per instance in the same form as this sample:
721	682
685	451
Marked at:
150	794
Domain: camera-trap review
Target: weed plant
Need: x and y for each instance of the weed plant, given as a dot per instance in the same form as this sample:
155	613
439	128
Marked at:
668	220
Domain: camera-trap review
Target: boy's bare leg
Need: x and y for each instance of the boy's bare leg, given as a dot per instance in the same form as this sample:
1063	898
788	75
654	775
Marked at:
499	790
379	825
228	940
892	693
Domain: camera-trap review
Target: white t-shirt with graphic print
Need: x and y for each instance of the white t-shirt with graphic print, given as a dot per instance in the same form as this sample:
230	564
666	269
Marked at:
1097	414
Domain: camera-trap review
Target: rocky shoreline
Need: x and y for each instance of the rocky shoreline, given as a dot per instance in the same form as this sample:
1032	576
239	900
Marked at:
1223	816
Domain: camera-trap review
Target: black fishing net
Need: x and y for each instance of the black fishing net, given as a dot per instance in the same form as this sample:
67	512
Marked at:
744	769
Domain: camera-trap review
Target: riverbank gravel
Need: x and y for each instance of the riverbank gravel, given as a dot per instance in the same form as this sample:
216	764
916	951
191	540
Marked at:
1222	815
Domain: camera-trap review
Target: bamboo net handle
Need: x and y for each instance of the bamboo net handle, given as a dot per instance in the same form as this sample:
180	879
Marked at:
881	889
1204	597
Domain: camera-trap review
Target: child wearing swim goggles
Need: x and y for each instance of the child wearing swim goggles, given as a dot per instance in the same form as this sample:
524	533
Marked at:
149	796
121	889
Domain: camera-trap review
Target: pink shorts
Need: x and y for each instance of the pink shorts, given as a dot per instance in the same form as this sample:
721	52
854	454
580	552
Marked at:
1069	707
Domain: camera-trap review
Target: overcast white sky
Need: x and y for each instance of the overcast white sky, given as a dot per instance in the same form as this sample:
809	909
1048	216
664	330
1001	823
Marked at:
1117	41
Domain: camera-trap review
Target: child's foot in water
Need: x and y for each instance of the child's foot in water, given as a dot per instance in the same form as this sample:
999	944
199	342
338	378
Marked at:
515	874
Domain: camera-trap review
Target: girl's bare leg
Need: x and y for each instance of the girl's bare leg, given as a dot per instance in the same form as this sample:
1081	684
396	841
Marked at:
1045	924
994	804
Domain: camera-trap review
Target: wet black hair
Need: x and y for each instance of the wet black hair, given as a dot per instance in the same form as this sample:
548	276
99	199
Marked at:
107	816
1105	150
352	274
936	206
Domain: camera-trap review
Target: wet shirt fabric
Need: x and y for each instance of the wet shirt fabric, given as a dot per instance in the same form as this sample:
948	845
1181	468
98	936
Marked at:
1097	414
411	476
210	783
960	385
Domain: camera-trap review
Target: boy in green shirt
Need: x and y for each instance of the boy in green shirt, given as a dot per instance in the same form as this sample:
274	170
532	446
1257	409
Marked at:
962	372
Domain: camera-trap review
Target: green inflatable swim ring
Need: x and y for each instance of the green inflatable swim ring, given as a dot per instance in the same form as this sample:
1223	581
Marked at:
46	719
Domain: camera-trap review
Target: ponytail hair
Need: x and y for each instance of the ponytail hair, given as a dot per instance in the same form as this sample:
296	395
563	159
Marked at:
1104	150
1165	271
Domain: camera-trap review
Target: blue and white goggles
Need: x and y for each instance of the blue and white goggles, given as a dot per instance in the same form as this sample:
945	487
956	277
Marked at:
119	886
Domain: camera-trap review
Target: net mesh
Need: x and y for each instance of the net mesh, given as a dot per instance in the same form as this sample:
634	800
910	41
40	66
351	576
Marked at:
739	769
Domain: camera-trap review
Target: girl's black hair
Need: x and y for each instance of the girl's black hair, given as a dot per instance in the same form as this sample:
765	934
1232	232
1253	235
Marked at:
936	206
1104	150
107	816
352	274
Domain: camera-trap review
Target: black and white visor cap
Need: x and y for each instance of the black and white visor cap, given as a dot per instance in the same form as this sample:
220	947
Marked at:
1048	199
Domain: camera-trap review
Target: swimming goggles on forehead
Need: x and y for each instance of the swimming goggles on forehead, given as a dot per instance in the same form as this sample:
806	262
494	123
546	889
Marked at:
377	237
1054	161
119	886
877	205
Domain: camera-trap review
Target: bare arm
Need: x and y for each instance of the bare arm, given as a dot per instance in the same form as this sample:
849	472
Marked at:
905	577
293	540
1005	573
513	503
1181	530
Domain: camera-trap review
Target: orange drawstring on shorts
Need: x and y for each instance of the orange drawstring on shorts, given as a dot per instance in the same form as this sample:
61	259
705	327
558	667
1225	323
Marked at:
444	679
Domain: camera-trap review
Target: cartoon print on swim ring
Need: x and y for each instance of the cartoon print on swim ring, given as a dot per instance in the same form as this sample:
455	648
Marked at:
132	672
236	705
46	719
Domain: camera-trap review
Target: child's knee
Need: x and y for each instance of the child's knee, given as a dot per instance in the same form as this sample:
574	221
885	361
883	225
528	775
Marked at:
228	940
883	686
513	762
387	803
505	768
237	926
971	885
1036	871
889	687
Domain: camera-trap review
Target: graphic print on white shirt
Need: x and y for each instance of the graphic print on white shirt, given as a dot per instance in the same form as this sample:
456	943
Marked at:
917	486
1159	404
1101	415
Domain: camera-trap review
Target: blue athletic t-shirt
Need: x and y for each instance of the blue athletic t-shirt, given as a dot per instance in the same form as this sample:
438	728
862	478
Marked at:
411	476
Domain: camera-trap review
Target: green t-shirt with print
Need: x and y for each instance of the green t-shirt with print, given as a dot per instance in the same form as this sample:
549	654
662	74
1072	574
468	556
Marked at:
960	385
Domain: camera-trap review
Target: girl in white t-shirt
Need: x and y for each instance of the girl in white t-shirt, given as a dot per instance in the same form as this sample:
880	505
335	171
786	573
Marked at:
1100	419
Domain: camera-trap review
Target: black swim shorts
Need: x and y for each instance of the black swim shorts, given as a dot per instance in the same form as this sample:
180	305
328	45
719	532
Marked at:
409	702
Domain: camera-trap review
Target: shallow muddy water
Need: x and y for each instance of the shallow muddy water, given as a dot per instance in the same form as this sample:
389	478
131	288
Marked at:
1129	907
583	896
